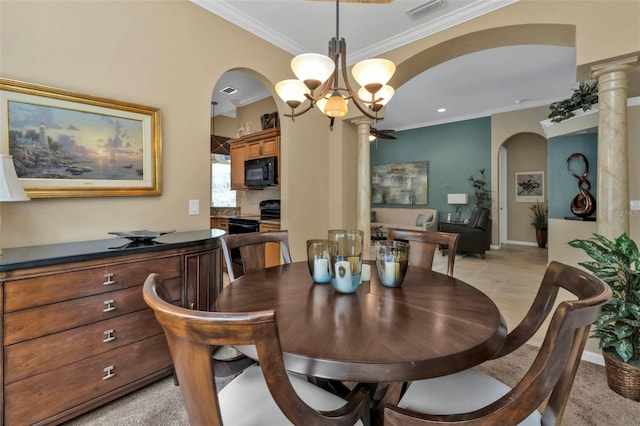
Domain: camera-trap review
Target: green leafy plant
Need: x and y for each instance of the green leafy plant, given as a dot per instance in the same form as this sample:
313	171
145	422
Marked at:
539	214
481	189
583	98
616	263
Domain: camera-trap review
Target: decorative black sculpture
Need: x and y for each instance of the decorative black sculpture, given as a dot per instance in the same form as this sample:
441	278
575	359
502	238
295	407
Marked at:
583	204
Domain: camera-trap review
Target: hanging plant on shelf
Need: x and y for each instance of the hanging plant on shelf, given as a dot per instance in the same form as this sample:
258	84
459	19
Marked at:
584	97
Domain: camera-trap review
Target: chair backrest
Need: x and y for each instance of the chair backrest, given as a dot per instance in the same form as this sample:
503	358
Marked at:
552	373
191	335
480	218
252	249
424	245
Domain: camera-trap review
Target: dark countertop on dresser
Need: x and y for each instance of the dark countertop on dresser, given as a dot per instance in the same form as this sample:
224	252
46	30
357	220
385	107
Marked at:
51	254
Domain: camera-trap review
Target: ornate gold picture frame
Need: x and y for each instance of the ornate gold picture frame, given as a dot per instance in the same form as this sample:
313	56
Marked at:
66	144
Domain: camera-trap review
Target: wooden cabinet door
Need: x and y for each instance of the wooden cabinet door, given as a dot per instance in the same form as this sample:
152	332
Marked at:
254	150
270	147
263	148
203	279
238	156
272	250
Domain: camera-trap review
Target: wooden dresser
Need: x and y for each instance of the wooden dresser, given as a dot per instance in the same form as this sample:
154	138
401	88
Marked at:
76	332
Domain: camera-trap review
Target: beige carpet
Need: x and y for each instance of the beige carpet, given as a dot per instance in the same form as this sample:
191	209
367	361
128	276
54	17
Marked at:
591	401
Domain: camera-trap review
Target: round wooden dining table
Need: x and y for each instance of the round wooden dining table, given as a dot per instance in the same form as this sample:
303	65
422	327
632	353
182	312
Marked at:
431	326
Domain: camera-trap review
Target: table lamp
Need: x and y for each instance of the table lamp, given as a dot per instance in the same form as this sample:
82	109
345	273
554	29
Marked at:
458	200
10	187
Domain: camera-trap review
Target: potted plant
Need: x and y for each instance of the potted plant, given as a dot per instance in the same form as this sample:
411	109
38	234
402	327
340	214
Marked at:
618	325
539	214
584	97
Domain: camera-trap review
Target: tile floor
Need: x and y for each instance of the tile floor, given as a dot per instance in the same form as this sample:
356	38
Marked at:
511	277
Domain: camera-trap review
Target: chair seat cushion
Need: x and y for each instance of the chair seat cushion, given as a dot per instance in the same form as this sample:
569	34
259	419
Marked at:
462	392
246	400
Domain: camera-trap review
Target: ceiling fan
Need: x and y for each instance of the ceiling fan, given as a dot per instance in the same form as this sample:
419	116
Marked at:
382	133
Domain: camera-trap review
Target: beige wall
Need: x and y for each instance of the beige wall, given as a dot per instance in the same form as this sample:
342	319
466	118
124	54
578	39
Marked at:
224	126
526	152
251	113
170	55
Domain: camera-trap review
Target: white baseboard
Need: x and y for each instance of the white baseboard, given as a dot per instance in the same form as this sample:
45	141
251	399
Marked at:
522	243
592	357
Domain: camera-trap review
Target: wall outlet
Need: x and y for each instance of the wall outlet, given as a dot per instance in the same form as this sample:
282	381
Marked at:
194	207
634	205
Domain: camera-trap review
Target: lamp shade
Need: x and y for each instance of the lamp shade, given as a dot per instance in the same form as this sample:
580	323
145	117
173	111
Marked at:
462	198
336	106
292	91
312	67
386	93
10	187
373	71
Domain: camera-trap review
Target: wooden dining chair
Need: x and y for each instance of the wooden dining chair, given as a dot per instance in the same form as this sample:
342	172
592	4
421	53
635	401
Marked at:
250	249
264	394
474	398
424	245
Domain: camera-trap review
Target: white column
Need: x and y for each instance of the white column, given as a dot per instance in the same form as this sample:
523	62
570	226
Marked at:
613	168
363	212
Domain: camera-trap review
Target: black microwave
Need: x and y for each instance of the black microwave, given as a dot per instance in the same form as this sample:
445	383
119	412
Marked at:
261	172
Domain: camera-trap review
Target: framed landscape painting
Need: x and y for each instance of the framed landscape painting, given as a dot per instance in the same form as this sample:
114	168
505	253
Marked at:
529	187
65	144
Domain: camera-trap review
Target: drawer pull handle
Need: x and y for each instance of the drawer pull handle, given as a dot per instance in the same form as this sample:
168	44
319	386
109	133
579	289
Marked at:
109	307
109	372
109	279
108	336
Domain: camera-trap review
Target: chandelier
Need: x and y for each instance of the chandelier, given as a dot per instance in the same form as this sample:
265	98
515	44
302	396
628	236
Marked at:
318	80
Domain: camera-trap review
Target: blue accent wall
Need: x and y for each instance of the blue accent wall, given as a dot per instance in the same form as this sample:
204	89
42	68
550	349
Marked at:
563	187
454	151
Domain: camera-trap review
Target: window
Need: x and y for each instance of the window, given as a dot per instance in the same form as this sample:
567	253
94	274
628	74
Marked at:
221	193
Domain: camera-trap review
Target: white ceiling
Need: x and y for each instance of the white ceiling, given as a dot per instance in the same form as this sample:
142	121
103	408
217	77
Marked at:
474	85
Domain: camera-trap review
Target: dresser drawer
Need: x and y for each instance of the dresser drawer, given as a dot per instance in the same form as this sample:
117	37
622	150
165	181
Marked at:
37	322
52	288
28	358
59	390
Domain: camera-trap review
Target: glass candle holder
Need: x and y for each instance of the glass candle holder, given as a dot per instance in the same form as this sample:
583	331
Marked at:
346	260
319	259
392	261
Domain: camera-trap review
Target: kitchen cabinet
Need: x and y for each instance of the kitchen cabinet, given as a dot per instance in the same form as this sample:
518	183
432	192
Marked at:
263	148
255	145
220	223
238	156
272	253
76	330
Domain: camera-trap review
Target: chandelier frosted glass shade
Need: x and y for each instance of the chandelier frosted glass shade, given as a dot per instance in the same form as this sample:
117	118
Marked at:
373	73
292	92
312	68
384	95
336	106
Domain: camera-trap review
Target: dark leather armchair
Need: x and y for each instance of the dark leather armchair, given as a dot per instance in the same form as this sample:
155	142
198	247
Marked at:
473	235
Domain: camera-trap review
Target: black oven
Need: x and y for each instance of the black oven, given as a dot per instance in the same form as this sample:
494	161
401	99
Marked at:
269	210
241	225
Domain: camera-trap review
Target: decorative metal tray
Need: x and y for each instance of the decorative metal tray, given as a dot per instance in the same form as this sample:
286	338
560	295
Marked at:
140	235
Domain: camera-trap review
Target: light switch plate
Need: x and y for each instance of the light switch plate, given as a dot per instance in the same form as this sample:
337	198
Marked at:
194	207
634	204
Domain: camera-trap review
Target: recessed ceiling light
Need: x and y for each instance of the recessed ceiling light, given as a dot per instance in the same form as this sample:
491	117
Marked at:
229	90
520	101
442	109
